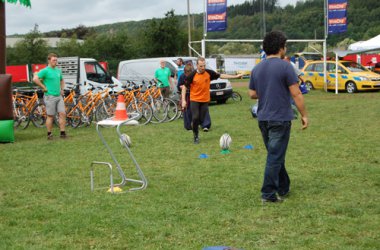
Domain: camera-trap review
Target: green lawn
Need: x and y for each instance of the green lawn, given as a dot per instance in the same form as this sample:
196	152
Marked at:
190	203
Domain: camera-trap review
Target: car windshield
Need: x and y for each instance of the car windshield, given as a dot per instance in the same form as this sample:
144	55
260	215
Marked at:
95	72
312	57
354	67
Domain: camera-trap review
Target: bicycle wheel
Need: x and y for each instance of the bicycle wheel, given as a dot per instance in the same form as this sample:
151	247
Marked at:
179	114
87	119
111	107
38	115
101	112
236	96
159	111
143	109
172	109
21	116
74	116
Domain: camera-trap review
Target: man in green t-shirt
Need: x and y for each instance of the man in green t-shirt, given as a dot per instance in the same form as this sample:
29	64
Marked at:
51	81
162	75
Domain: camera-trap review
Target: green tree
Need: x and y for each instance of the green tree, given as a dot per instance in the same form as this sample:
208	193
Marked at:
69	47
32	49
163	37
111	47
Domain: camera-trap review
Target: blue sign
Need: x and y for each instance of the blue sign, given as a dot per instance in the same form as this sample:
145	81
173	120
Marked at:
216	15
337	16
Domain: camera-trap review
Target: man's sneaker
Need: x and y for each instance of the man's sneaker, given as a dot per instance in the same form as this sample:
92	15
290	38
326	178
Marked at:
276	200
284	195
196	140
205	129
63	136
50	137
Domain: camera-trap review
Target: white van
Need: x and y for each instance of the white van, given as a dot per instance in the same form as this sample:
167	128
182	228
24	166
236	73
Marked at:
143	69
86	72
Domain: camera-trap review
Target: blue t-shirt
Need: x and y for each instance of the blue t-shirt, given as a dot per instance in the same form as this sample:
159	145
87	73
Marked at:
180	71
271	79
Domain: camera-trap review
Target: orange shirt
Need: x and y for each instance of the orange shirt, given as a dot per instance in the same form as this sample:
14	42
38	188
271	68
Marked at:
200	86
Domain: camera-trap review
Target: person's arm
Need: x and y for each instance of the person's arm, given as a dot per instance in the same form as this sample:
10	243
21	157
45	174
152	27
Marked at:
252	94
227	76
183	94
170	79
62	87
300	78
156	79
37	81
300	104
252	89
214	75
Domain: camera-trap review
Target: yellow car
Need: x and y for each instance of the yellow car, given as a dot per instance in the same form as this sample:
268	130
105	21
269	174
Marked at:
353	77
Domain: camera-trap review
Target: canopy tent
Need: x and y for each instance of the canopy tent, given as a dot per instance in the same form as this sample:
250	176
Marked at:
373	43
360	47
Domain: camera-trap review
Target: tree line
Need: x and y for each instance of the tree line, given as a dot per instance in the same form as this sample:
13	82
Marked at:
167	36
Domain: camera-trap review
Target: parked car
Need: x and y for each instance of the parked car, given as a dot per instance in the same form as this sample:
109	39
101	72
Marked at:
352	76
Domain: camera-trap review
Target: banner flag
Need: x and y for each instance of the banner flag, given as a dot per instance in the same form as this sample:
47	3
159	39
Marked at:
216	15
337	16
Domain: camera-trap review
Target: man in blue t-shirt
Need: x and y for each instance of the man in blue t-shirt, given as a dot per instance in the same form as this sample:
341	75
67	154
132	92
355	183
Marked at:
274	82
181	68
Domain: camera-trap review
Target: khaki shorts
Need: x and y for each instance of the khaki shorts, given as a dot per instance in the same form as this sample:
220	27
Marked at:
54	104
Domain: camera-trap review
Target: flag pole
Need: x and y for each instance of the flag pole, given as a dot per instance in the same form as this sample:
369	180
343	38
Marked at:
204	29
325	46
189	26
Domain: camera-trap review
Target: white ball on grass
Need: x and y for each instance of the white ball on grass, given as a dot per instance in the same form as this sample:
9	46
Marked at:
125	139
225	141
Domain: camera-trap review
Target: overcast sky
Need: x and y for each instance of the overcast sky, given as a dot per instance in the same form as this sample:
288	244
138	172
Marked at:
59	14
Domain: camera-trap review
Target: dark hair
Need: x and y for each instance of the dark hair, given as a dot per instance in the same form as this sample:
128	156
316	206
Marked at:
188	68
273	42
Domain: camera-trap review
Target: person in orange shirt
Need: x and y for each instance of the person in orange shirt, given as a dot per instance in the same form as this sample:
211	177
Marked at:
199	84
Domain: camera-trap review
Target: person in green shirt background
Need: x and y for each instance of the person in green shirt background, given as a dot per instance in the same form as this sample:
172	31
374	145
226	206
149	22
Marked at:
163	76
51	81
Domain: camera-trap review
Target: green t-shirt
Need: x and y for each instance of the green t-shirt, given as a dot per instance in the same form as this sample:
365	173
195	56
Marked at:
163	75
51	78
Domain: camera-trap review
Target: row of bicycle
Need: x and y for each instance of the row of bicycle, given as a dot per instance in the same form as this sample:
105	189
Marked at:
98	104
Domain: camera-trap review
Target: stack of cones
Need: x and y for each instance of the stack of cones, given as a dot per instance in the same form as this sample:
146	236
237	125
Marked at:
121	111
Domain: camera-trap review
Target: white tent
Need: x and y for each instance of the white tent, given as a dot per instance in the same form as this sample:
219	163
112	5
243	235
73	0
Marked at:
373	43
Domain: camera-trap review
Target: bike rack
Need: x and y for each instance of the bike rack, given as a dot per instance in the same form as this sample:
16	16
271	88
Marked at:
131	121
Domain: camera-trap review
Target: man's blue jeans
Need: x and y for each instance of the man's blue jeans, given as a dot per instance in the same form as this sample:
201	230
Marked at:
276	138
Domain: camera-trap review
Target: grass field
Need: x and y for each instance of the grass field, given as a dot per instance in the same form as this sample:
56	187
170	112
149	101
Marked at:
191	203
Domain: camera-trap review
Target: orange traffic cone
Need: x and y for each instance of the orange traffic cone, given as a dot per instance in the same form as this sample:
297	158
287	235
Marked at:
121	111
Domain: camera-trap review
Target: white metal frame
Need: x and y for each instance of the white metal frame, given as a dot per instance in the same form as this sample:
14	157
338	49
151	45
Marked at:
204	40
